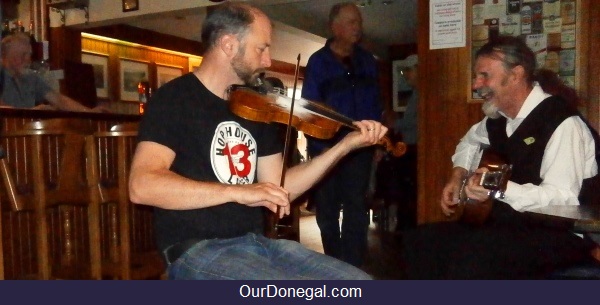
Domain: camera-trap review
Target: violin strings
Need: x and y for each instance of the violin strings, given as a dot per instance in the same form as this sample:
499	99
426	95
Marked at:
313	107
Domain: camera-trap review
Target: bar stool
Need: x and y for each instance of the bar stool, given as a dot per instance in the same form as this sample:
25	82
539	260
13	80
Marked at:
50	194
127	235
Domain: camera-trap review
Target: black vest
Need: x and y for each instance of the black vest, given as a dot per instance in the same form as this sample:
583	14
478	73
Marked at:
525	148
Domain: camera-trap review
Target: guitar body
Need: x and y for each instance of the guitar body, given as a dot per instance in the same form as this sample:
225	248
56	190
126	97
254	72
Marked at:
476	213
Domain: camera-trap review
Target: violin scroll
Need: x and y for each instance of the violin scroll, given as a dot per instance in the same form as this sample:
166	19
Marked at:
397	150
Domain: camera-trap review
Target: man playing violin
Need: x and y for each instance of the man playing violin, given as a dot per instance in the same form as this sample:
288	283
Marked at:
211	174
554	157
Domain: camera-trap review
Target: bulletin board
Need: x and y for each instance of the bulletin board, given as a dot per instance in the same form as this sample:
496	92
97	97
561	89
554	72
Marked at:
549	27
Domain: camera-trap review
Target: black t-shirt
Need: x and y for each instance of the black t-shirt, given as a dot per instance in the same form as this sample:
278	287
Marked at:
210	144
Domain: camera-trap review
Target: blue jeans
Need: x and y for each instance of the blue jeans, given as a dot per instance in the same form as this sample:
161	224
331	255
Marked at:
255	257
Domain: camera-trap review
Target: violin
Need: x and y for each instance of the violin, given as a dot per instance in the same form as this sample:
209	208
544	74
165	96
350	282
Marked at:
313	119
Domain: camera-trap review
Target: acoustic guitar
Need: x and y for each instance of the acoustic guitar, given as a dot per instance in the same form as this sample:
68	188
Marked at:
495	180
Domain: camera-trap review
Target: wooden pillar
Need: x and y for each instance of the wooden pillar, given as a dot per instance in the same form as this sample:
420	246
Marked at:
444	115
593	64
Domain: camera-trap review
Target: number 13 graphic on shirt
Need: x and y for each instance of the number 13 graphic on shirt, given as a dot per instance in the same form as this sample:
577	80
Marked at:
233	154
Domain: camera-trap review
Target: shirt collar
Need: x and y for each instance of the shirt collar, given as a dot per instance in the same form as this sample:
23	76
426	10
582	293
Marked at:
535	97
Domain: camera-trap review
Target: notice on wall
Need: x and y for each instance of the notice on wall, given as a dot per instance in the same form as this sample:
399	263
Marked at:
447	24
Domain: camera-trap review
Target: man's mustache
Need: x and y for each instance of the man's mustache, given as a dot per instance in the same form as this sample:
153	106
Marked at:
483	91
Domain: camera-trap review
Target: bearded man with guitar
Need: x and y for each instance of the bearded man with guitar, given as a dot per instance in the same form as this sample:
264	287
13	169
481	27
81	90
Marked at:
553	154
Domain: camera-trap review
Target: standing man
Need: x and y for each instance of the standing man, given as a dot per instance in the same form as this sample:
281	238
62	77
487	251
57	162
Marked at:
555	162
21	88
209	173
343	76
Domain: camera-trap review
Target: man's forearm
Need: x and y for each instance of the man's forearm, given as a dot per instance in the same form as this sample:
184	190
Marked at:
303	176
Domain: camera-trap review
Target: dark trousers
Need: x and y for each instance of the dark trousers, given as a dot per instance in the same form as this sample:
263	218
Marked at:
345	187
397	184
407	201
508	246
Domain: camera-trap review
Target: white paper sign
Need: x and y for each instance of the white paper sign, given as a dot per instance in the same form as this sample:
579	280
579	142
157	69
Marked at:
447	24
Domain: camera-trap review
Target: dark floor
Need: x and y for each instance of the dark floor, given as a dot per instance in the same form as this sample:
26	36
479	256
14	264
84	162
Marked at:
382	262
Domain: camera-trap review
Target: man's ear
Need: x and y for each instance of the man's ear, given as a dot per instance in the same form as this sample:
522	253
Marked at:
229	45
519	72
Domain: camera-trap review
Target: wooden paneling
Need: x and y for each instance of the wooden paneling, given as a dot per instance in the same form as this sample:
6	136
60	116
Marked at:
65	44
444	115
148	38
583	51
593	64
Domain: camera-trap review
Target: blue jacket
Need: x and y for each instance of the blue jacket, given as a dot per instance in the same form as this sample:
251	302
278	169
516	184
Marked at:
352	91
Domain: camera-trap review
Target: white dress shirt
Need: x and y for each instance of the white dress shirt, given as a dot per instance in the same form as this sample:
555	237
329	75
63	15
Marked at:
569	157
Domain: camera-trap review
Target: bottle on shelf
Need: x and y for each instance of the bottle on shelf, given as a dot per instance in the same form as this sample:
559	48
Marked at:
144	93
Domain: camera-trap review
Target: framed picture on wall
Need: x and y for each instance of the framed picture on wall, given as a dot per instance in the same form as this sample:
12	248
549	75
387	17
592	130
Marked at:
132	72
100	65
164	74
131	5
401	91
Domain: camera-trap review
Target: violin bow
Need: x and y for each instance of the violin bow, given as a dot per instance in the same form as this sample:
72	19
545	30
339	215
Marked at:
288	130
288	133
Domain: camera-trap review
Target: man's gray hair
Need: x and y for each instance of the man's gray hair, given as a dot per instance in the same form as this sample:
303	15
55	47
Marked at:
515	53
12	39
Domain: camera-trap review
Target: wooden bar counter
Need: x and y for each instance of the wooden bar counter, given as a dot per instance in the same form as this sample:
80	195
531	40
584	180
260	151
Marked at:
13	118
68	239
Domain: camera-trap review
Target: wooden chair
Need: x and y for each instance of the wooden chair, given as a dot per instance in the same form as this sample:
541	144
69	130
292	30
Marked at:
127	242
49	192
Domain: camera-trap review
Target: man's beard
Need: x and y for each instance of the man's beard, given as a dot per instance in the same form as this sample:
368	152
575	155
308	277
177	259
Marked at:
243	70
488	107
